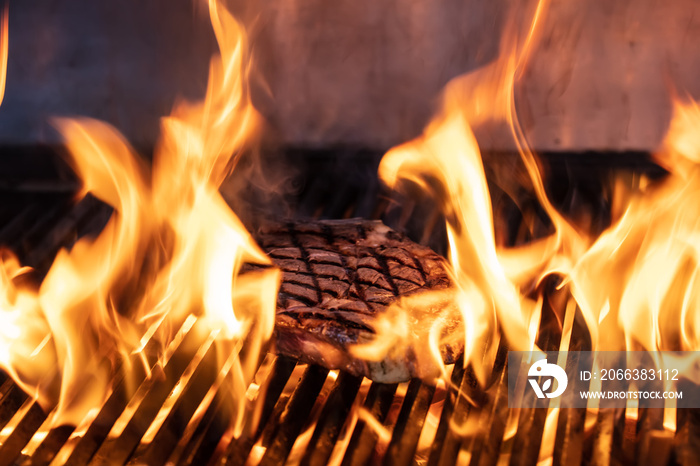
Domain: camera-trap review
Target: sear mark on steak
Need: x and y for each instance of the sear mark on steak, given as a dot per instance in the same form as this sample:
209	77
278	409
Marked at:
338	277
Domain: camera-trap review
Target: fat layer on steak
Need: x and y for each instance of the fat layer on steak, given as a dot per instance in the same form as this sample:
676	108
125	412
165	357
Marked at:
338	277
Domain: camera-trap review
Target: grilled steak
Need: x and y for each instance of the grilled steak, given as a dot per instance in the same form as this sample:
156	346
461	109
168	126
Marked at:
339	276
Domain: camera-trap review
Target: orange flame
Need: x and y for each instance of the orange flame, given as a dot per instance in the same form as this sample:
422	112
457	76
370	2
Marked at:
637	284
172	248
615	278
446	162
4	48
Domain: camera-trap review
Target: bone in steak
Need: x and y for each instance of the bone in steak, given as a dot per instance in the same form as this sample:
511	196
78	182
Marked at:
339	276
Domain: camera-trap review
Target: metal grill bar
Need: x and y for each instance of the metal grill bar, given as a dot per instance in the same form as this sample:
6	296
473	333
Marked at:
237	452
282	435
364	438
404	438
331	420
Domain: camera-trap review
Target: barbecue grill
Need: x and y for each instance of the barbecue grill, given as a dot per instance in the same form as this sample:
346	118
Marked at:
305	414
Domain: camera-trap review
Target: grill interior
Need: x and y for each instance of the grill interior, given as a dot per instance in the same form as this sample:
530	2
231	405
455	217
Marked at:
306	414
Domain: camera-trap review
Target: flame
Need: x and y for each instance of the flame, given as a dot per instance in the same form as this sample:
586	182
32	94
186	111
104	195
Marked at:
172	248
635	283
446	162
4	48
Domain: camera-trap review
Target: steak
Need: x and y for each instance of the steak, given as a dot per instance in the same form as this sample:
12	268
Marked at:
338	278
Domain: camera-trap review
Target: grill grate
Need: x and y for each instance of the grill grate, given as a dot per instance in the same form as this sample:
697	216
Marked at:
307	414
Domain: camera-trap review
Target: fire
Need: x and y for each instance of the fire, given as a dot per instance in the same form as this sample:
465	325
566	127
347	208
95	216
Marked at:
446	162
173	248
4	48
635	283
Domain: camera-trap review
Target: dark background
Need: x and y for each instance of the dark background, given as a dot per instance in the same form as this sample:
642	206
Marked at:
352	72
